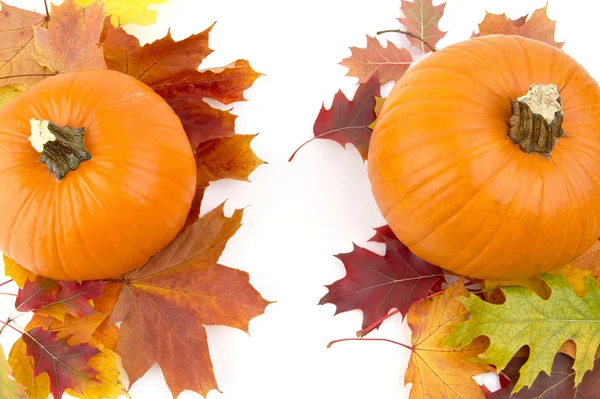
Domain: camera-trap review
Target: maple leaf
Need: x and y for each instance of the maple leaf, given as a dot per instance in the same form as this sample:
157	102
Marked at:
9	388
348	121
590	260
17	272
107	333
35	387
179	291
52	297
560	384
171	69
78	331
385	63
421	18
538	26
127	11
376	284
436	371
7	93
70	41
543	325
222	158
17	65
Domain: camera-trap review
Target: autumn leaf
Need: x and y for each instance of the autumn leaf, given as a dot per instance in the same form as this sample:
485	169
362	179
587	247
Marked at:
55	298
9	388
78	331
107	333
179	291
70	41
7	93
421	18
127	11
385	63
348	121
543	325
558	385
17	272
376	284
538	26
171	69
378	106
17	65
590	260
435	370
222	158
35	387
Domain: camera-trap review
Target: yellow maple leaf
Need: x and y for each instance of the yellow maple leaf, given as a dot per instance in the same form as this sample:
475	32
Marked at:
127	11
22	366
9	92
435	370
18	273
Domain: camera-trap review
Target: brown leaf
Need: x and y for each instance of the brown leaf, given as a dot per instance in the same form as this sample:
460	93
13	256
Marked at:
70	41
17	65
171	69
421	18
222	158
174	295
385	63
538	26
435	370
590	260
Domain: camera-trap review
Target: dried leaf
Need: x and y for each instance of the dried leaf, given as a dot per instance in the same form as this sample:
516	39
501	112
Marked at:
174	295
7	93
171	69
347	121
590	260
222	158
70	41
421	17
17	65
9	388
435	370
127	11
538	26
543	325
385	63
18	273
376	284
558	385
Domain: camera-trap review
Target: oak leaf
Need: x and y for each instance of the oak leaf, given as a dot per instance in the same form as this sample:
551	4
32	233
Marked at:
421	18
435	370
538	26
171	69
222	158
376	284
17	65
385	63
179	291
123	12
558	385
70	43
525	319
9	388
348	121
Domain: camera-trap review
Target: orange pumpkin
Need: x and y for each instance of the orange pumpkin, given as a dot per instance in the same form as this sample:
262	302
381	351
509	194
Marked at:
113	184
485	159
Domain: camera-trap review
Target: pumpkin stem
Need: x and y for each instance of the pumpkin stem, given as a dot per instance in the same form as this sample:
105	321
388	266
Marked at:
61	147
537	118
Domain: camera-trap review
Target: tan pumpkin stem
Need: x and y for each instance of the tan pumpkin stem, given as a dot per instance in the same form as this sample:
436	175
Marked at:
61	147
537	118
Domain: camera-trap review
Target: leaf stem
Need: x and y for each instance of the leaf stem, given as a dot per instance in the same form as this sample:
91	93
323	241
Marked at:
371	339
8	294
47	12
376	324
6	282
407	33
7	324
27	75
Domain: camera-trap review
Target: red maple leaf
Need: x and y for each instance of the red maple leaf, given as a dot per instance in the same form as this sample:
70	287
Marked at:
376	284
68	365
347	121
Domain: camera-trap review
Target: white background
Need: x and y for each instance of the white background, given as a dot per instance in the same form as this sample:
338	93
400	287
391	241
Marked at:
299	214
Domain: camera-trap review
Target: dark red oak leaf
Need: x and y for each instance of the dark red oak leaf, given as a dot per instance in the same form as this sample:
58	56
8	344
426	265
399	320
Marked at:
558	385
376	284
347	121
68	365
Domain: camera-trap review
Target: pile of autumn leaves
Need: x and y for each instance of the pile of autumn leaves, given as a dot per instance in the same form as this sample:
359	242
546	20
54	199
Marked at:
72	343
541	333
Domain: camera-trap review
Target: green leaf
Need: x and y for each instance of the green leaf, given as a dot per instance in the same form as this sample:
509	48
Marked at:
543	325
